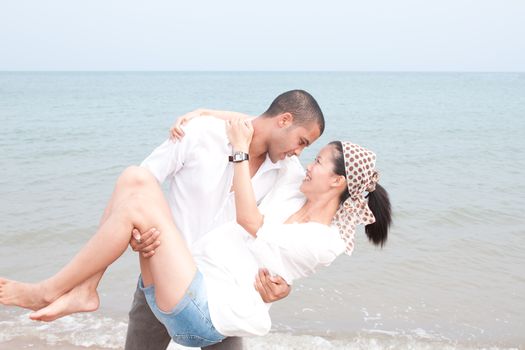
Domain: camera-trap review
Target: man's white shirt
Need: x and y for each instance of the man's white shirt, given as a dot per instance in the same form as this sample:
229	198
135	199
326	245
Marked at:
200	176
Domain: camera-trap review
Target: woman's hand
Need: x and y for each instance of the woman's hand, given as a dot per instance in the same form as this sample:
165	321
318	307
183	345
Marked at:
145	243
176	132
240	133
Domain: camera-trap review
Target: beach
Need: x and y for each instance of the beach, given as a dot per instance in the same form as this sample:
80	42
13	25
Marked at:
450	152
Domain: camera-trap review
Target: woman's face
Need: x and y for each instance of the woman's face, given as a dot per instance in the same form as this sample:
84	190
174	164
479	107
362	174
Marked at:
320	173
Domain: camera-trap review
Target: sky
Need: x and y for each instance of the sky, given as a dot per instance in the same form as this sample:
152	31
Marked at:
270	35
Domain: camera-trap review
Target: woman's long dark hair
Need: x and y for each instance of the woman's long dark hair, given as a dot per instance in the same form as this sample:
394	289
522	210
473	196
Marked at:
378	202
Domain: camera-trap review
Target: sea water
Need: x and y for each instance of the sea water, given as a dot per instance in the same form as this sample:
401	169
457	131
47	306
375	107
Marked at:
450	150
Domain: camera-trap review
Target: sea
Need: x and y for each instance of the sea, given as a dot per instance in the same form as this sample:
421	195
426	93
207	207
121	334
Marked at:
451	152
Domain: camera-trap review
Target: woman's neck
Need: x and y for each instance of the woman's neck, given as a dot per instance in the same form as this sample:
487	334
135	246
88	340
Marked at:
321	211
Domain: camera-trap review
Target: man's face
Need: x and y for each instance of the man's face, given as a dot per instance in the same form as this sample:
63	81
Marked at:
289	140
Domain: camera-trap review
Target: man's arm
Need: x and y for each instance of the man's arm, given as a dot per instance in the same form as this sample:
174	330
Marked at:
165	160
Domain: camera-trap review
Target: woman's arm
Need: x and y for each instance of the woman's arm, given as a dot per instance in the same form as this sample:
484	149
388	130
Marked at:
224	115
176	131
240	132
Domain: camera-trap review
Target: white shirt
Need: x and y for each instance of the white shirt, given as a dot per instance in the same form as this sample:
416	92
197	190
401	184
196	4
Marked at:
200	177
229	258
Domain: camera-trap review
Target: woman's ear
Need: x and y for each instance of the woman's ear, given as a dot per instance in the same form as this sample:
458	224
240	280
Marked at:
340	181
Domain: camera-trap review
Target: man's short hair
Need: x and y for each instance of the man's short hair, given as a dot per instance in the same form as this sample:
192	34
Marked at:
301	105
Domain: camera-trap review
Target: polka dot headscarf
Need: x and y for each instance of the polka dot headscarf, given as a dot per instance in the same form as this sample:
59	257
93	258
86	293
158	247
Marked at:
361	176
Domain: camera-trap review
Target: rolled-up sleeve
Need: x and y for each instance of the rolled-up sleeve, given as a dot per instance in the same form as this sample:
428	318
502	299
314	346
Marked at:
167	159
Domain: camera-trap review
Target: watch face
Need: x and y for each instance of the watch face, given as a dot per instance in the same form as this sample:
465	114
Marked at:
239	157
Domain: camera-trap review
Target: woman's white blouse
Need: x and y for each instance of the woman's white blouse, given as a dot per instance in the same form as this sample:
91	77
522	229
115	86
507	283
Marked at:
293	251
229	259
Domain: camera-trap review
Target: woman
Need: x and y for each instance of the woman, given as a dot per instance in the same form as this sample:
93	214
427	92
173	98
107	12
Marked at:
203	298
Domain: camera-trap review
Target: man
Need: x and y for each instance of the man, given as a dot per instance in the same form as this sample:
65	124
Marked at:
200	179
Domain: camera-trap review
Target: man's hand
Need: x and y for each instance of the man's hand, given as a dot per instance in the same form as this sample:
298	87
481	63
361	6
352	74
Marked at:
271	288
145	243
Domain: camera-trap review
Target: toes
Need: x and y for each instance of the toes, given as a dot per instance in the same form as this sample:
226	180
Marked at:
35	316
39	315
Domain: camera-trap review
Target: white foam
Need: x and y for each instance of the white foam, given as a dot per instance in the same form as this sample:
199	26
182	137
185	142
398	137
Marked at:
80	330
90	330
384	341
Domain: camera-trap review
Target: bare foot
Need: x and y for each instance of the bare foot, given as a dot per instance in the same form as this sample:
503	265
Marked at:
26	295
76	300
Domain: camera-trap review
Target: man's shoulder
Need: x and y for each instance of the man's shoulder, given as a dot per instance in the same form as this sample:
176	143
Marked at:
205	132
208	135
206	124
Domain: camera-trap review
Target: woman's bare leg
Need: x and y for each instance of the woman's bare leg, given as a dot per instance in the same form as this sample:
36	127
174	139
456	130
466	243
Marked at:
128	183
172	263
84	297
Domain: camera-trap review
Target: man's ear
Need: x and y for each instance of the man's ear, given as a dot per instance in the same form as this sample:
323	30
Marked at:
285	119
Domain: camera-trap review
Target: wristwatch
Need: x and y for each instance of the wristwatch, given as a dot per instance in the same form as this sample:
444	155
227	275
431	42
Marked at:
238	156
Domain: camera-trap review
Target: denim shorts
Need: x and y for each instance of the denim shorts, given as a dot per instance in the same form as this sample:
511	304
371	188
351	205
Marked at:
189	323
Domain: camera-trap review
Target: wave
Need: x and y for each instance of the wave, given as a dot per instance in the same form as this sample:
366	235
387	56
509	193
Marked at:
89	330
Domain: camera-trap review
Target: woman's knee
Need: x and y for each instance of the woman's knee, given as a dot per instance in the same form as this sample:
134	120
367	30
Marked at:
136	176
136	207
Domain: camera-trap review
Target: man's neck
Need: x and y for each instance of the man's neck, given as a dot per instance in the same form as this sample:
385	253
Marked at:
259	145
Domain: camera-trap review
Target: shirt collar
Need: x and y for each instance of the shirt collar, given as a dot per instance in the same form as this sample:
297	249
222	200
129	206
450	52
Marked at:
268	165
